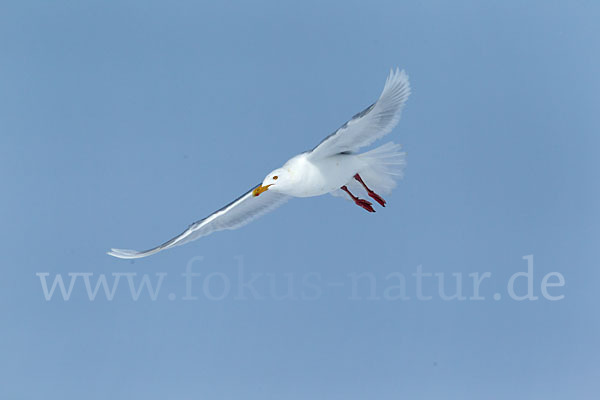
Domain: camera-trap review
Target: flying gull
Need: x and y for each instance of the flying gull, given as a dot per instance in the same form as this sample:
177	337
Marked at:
333	166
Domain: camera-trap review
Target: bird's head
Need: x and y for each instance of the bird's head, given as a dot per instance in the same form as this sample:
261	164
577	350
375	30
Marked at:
276	180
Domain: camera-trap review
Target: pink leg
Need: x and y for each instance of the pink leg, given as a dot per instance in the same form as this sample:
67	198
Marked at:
359	202
371	193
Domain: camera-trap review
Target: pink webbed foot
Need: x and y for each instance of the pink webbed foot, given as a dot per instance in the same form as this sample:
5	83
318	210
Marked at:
367	205
371	193
377	198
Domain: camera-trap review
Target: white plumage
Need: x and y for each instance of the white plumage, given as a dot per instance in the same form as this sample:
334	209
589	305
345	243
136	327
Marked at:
333	167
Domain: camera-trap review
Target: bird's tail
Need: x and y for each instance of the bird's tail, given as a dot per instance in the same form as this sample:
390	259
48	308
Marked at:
384	165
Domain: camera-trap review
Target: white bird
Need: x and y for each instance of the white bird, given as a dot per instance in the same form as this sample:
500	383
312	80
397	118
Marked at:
333	166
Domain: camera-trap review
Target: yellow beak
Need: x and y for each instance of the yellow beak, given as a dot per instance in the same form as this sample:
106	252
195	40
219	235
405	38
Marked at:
260	189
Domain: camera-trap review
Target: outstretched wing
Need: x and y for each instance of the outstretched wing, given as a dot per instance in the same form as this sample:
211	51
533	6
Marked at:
234	215
372	123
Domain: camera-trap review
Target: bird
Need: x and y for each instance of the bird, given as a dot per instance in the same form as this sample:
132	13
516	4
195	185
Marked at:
333	166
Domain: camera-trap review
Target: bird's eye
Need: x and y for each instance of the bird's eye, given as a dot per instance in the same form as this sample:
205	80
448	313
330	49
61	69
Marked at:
275	177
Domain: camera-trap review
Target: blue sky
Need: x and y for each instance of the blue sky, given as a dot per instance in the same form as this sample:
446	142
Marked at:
123	122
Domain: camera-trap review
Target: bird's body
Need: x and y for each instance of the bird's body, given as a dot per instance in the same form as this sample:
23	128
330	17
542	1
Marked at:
317	177
333	166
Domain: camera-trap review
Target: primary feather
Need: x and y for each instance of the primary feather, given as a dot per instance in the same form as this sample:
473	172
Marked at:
372	123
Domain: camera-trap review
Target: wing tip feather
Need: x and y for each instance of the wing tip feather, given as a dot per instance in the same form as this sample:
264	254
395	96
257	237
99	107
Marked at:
124	253
398	82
